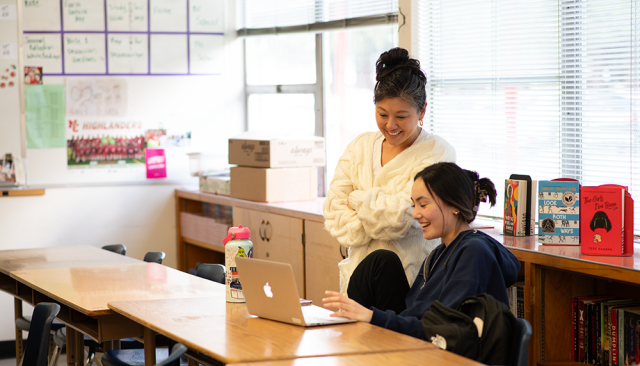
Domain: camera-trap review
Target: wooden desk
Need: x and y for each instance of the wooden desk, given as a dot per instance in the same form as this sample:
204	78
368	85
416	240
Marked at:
228	334
41	258
83	293
423	357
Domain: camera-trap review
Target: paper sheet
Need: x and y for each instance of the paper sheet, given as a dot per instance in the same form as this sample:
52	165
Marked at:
45	116
97	97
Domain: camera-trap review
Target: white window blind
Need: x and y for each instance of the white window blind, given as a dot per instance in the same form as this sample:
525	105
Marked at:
256	14
539	87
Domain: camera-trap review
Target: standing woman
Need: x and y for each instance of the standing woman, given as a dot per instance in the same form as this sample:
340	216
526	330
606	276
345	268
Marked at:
368	205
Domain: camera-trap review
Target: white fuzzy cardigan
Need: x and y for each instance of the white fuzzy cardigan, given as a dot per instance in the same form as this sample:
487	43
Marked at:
382	217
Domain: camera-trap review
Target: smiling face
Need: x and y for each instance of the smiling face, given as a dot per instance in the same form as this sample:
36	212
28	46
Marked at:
436	218
398	121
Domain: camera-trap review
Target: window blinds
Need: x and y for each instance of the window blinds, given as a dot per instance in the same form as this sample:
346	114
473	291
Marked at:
259	14
539	87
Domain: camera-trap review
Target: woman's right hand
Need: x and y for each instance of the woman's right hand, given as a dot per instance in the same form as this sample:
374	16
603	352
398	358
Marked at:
350	308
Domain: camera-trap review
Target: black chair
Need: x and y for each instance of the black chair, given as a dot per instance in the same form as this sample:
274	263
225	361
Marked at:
60	341
116	248
212	272
523	335
37	349
135	357
154	257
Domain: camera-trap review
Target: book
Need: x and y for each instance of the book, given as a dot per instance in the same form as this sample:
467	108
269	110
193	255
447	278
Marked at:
511	224
604	326
559	212
606	221
612	328
519	212
584	331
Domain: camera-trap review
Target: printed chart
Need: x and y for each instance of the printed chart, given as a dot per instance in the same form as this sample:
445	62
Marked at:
124	37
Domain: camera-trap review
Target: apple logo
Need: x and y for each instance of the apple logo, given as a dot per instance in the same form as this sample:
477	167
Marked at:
267	290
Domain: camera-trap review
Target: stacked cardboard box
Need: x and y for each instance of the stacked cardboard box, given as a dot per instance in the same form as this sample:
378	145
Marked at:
275	169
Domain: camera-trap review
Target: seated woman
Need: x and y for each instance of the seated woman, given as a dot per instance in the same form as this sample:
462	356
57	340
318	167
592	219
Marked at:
468	263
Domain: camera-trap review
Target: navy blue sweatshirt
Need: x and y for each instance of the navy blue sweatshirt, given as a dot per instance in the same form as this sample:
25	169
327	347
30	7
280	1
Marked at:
474	265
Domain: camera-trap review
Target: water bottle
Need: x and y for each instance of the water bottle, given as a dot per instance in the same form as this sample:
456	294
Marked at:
236	244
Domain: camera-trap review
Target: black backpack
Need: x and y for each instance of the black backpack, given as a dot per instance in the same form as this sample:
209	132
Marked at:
455	330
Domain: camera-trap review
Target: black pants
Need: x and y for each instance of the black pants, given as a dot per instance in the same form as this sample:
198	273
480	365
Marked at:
379	281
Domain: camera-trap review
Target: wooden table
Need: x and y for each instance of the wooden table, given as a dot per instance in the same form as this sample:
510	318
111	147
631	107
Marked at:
83	294
41	258
434	356
228	334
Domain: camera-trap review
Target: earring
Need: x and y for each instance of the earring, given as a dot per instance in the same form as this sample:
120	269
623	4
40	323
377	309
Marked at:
420	123
455	212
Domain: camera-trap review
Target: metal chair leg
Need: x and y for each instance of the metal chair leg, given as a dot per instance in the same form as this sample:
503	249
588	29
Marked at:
54	357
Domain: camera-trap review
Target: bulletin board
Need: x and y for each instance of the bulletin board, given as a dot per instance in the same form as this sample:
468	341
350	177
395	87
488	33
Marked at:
103	80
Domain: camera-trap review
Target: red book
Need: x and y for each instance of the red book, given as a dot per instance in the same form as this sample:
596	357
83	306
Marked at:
606	220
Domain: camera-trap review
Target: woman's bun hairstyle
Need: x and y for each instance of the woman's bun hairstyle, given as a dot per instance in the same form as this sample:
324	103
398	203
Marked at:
400	76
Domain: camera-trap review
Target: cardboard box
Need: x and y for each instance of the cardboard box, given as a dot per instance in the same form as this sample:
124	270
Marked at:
274	185
216	184
264	150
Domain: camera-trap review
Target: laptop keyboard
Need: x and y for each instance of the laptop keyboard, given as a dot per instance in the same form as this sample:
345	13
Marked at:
314	314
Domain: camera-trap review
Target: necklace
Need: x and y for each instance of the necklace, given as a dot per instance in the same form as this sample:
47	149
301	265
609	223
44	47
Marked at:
424	270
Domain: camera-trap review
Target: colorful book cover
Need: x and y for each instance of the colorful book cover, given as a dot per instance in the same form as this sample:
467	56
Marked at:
602	220
515	218
528	199
511	194
559	212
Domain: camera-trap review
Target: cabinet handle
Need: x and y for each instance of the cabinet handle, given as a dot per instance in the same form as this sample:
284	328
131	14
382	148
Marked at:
342	255
265	231
260	231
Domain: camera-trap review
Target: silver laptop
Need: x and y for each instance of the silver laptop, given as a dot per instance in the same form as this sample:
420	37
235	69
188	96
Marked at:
270	292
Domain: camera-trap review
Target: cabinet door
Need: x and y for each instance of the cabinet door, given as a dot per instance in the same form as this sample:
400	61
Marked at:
275	237
322	254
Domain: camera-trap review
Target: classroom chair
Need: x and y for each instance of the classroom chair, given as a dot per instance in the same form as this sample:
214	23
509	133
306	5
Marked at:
135	357
60	341
523	334
212	272
37	349
116	248
154	257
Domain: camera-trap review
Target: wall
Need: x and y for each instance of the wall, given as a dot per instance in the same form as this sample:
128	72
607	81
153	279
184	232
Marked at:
140	216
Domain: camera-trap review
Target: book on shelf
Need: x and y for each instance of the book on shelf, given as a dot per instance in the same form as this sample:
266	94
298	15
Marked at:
606	221
631	321
519	210
613	329
559	212
582	333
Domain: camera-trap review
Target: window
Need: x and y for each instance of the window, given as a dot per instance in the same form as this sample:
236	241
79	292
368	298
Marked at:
545	88
310	67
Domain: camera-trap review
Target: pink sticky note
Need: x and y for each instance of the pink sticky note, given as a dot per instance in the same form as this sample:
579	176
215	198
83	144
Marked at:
156	163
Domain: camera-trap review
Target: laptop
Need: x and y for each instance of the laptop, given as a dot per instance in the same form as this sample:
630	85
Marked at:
270	292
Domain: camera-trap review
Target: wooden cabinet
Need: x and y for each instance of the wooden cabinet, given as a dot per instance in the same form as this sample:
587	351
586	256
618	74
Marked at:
322	255
276	238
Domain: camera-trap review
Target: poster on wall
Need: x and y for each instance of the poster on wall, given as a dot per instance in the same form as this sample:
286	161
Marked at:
96	144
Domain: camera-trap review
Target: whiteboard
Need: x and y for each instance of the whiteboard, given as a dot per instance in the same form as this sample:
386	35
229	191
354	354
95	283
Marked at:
130	70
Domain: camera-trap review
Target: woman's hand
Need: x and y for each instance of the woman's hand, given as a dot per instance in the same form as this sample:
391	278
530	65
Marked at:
351	309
